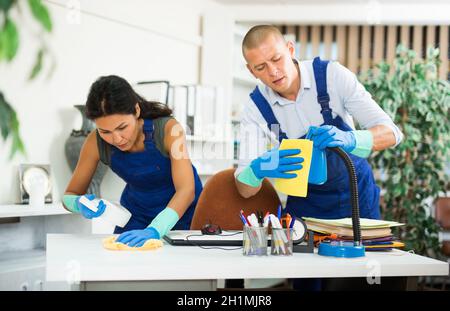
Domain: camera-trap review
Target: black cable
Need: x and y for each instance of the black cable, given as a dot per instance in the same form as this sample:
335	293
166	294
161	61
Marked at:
353	193
213	247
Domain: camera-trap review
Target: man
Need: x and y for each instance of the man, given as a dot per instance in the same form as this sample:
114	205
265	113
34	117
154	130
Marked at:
319	99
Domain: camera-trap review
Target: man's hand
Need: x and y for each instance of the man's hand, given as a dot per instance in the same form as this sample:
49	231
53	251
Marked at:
276	163
330	136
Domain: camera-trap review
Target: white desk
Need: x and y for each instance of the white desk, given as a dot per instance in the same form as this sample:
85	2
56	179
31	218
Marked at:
83	258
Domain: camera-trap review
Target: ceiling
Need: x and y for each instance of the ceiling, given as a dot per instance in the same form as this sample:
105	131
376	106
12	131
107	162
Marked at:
294	2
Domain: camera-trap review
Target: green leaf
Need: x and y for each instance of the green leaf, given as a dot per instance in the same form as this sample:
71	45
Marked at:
37	65
40	12
17	144
5	117
9	126
9	40
418	102
5	5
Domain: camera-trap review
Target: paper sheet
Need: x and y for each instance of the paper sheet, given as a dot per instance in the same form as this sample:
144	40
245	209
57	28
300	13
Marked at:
364	222
297	186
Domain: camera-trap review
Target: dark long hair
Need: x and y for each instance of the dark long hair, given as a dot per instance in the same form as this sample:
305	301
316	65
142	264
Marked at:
114	95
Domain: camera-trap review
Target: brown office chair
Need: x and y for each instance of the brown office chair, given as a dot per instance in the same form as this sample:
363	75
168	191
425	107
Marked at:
220	202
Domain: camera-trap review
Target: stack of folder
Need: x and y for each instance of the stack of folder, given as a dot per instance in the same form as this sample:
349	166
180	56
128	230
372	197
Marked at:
376	234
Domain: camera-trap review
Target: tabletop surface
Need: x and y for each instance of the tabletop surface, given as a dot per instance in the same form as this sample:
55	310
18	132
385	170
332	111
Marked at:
83	257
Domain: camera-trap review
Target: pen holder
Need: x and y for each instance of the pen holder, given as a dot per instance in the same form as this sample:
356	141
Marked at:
254	241
281	242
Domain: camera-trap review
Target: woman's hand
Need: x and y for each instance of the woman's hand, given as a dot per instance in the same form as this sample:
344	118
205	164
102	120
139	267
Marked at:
137	238
86	211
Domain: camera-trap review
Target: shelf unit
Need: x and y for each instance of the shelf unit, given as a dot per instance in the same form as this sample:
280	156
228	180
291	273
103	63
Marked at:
245	80
197	138
24	270
206	173
24	210
21	260
243	84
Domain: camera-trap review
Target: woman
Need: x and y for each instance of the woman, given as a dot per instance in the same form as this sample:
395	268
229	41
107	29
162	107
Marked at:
143	144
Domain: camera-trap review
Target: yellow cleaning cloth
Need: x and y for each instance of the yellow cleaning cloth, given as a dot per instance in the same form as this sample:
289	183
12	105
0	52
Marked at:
297	186
111	244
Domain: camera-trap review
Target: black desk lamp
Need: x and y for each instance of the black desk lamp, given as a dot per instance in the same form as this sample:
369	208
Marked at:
347	249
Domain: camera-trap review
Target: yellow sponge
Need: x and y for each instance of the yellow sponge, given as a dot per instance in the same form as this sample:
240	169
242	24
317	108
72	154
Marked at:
111	244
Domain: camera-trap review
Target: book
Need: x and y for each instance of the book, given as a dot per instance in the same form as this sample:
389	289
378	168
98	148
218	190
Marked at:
365	223
206	107
348	232
190	118
393	244
179	97
387	238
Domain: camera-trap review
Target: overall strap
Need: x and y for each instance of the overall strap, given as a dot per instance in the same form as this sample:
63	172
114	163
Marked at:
320	75
148	130
104	150
266	111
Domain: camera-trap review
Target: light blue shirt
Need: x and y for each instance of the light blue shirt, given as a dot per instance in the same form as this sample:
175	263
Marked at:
348	99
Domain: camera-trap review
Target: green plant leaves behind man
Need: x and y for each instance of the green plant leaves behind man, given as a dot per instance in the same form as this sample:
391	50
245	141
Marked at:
413	173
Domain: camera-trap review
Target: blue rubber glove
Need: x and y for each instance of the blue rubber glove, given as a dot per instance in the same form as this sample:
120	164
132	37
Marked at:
330	136
137	238
88	213
275	163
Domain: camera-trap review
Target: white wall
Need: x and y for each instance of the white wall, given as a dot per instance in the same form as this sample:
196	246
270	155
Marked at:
431	12
216	69
139	40
149	40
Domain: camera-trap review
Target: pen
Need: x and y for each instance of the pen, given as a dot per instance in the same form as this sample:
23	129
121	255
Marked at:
285	223
287	220
242	219
276	224
245	218
251	233
291	226
252	220
260	218
266	221
245	242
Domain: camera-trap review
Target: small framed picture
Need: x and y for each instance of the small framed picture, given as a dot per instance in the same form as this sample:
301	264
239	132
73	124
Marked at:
29	173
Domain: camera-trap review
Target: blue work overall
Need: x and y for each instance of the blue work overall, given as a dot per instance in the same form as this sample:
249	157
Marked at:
149	185
332	199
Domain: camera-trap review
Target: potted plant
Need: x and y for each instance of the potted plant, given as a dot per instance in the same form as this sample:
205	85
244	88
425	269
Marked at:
413	173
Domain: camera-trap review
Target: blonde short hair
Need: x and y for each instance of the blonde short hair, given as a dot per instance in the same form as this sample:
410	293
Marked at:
258	34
